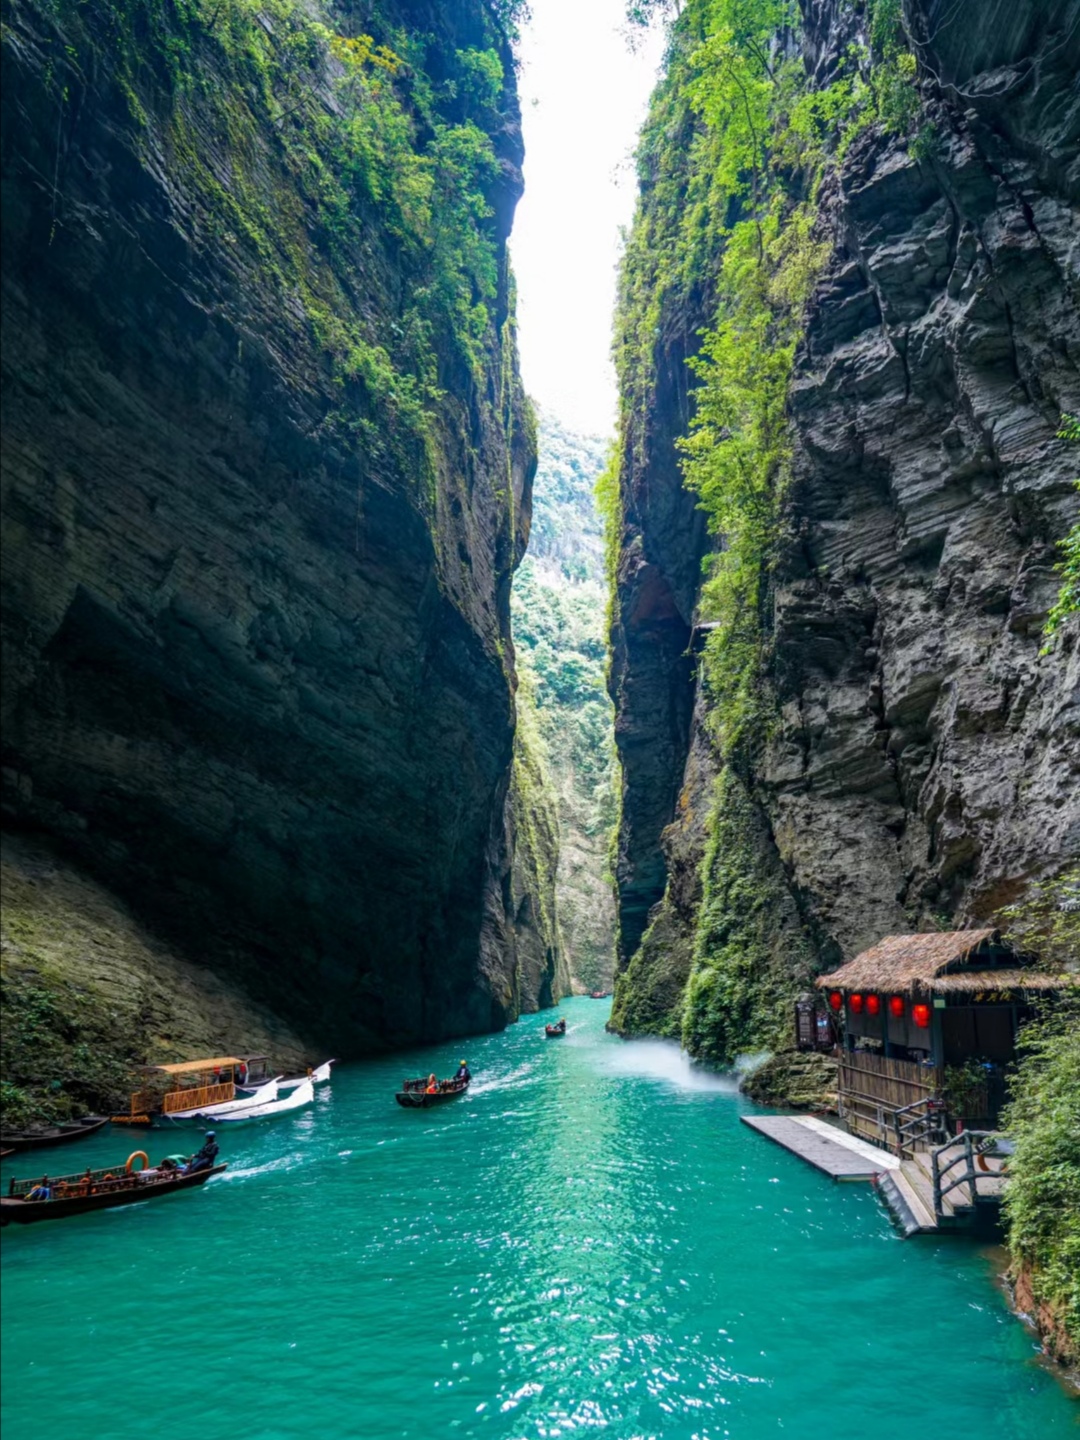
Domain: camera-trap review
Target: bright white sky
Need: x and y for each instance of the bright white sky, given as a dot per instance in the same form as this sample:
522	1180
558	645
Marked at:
583	97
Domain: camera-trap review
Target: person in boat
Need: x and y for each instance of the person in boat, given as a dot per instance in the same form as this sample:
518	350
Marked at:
432	1085
204	1159
463	1072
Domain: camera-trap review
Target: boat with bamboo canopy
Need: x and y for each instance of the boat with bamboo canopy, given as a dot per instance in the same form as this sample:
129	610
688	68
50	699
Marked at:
186	1085
61	1196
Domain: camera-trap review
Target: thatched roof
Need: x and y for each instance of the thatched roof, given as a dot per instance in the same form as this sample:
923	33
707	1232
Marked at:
988	980
900	962
907	963
922	962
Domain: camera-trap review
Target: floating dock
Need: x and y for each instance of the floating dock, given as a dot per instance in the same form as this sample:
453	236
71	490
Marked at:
906	1186
827	1148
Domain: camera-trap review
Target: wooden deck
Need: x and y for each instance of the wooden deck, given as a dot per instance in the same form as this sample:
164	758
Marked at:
906	1186
827	1148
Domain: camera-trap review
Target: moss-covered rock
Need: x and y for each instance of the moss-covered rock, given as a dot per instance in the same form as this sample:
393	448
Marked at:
87	993
792	1078
542	976
751	955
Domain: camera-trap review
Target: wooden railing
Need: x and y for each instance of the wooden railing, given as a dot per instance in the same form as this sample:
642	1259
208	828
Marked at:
108	1176
916	1124
872	1090
198	1098
970	1150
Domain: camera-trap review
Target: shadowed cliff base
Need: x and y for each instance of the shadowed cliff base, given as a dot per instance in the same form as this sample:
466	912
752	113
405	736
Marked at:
89	992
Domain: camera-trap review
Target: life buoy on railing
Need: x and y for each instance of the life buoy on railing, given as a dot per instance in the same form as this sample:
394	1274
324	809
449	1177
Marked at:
129	1168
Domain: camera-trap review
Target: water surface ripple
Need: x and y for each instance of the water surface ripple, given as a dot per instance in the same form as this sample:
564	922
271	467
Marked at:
588	1241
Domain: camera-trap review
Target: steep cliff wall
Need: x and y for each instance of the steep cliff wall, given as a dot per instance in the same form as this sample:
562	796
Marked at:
267	471
900	748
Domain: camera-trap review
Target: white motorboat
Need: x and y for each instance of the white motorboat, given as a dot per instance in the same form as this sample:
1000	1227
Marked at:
318	1076
303	1094
264	1095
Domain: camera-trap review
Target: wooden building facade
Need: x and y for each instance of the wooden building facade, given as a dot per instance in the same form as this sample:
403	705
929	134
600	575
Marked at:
927	1028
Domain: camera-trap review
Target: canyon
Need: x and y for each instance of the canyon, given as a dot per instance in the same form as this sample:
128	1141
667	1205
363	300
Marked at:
267	476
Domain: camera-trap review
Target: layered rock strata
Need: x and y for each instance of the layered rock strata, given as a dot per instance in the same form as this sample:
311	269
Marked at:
926	764
259	674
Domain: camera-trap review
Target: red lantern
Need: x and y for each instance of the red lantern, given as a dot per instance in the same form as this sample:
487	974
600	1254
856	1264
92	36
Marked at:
836	1000
873	1004
855	1001
921	1015
896	1006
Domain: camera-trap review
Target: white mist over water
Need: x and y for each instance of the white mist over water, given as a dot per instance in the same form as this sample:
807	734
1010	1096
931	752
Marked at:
663	1060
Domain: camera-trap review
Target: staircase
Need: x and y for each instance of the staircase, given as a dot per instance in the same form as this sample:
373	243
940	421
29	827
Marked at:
944	1188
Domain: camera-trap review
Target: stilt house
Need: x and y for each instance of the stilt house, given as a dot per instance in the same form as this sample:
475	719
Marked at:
927	1027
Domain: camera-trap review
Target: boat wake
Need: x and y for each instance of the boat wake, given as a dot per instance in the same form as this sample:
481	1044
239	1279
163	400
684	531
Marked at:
283	1162
517	1079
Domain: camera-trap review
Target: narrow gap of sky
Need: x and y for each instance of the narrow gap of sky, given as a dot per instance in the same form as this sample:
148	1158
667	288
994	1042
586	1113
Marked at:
584	93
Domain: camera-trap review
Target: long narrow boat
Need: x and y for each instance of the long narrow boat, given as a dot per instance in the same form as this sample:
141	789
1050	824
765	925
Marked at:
415	1095
264	1095
51	1135
56	1198
318	1076
302	1095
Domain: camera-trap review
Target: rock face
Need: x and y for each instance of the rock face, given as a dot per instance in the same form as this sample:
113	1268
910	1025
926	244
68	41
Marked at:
257	554
927	760
88	994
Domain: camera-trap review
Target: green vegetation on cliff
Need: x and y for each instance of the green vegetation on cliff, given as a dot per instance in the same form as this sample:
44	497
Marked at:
349	152
558	607
732	161
1042	1200
749	954
534	818
1068	601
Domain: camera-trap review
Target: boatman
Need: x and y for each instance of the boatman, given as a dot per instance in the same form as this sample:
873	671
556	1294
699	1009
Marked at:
463	1072
206	1157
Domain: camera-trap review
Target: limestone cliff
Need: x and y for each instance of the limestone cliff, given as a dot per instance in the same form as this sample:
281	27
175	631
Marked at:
921	757
267	469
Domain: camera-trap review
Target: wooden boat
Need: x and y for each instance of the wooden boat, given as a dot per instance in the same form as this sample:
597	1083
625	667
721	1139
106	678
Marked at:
302	1095
94	1190
224	1109
5	1153
191	1087
556	1031
12	1140
415	1095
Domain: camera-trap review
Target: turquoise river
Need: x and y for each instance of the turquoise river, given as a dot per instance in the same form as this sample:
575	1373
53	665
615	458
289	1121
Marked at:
589	1241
